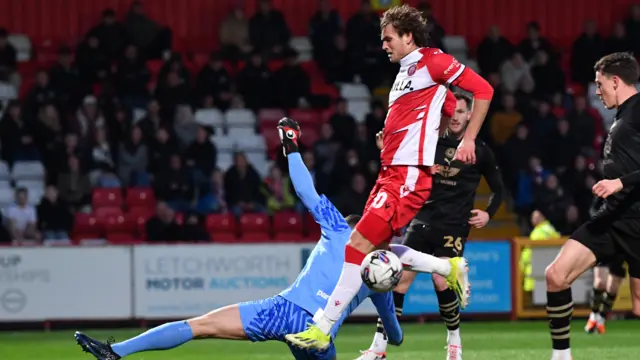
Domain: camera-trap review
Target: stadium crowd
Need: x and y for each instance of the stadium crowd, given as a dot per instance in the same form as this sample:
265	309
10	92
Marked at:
81	120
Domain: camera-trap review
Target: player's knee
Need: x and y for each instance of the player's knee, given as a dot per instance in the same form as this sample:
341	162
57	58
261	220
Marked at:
360	243
439	282
206	326
556	280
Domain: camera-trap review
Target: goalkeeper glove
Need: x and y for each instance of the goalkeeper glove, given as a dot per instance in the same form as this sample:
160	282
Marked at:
289	132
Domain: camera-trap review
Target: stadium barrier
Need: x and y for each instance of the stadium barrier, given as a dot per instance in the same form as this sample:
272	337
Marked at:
48	284
532	304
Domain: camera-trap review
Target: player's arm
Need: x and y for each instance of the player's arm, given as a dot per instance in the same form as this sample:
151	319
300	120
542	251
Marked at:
387	312
608	187
448	109
490	170
446	70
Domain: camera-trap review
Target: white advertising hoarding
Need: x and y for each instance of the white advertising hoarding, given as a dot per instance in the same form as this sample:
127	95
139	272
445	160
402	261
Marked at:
541	257
184	281
38	284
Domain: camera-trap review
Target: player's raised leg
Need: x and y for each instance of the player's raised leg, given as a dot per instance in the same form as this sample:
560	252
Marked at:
223	323
572	261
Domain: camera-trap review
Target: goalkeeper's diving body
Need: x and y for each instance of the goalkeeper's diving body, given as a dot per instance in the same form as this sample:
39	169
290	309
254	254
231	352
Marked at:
291	310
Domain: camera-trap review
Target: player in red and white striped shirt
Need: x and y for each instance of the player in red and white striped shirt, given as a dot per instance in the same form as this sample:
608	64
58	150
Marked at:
410	137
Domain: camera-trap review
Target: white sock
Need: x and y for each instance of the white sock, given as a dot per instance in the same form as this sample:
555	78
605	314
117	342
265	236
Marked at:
379	343
348	286
453	337
421	262
561	354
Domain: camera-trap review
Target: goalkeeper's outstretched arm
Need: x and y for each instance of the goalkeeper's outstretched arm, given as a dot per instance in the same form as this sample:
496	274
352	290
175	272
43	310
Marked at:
302	181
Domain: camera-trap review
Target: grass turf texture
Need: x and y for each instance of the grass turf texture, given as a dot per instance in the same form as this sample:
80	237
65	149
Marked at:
482	341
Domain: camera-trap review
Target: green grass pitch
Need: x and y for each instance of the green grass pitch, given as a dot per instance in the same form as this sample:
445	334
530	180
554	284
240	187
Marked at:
481	340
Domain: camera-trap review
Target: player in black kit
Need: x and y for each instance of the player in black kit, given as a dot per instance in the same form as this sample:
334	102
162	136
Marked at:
442	226
614	229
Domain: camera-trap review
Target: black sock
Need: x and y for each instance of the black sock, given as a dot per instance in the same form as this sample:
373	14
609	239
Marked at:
607	304
449	308
398	301
596	300
559	312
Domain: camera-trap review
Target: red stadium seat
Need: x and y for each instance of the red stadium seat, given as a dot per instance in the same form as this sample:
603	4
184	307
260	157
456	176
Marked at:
287	226
137	218
306	118
255	227
117	224
311	135
272	139
140	197
122	239
221	226
86	226
103	212
268	118
106	198
312	229
275	65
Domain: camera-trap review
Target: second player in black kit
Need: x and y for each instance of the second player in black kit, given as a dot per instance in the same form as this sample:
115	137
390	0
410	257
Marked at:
613	232
442	226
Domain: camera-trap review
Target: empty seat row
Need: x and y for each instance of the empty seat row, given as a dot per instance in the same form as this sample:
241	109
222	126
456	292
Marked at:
113	198
22	170
283	226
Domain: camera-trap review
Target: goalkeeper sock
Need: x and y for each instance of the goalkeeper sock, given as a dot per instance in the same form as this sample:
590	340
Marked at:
163	337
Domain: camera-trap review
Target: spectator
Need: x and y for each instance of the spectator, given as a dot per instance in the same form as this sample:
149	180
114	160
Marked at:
364	147
337	62
632	26
572	220
5	237
163	225
74	186
146	34
435	30
551	199
242	187
202	154
547	75
110	34
41	94
268	31
542	123
618	41
562	149
326	151
363	39
65	78
152	121
214	80
92	60
194	229
583	123
185	127
54	218
324	27
174	64
8	60
48	134
213	200
353	199
344	125
533	42
575	181
504	121
292	84
277	190
374	121
252	80
175	186
586	50
16	137
102	153
493	51
132	77
234	35
162	147
87	118
133	158
518	150
22	218
107	179
119	123
528	180
514	72
70	147
176	92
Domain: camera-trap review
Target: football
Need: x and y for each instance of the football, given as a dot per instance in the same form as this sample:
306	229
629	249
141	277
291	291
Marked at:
381	270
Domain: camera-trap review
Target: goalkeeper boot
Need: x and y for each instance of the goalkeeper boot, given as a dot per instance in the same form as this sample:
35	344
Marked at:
101	351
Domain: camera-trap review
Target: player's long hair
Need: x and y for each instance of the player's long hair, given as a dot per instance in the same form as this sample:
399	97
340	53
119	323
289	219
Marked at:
407	20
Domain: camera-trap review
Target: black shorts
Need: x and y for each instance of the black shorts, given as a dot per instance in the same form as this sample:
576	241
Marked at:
616	267
613	240
440	242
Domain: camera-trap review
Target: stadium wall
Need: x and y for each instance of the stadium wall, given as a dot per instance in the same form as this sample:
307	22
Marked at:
159	282
195	22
